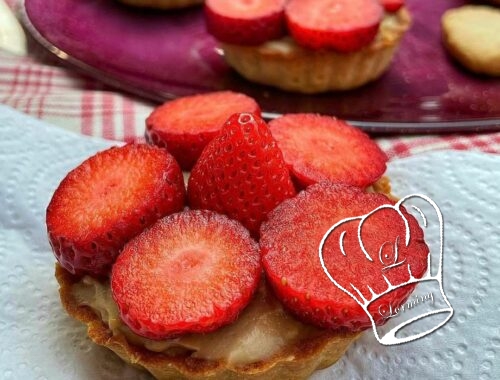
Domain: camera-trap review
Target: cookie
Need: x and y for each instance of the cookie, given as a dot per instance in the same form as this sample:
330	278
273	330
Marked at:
472	35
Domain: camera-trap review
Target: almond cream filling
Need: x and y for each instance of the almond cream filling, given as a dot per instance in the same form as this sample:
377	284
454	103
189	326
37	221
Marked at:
262	329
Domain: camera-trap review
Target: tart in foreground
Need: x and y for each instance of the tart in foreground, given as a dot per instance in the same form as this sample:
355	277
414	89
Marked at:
183	293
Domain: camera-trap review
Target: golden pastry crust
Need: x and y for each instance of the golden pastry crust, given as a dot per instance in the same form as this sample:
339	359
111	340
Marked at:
383	186
286	65
294	362
472	35
162	4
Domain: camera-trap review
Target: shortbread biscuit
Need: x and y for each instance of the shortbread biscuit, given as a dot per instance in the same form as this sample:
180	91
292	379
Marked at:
472	35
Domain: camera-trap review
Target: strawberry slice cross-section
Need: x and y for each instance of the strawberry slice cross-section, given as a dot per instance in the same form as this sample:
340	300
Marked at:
343	25
107	200
192	272
319	148
290	241
245	22
392	5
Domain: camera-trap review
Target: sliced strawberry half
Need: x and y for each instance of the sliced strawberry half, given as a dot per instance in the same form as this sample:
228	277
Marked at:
319	148
186	125
245	22
107	200
392	5
192	272
343	25
241	173
290	241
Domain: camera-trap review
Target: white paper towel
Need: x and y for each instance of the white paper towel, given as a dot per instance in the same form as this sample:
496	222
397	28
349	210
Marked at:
39	341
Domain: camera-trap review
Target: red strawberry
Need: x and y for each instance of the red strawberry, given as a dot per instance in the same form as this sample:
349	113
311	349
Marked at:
290	241
392	5
245	22
107	200
343	25
241	173
192	272
186	125
318	148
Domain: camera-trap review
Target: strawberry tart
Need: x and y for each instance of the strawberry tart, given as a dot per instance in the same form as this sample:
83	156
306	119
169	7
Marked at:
224	281
308	46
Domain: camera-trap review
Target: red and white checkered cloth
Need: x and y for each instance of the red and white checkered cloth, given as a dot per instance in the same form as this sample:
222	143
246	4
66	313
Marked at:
39	86
67	99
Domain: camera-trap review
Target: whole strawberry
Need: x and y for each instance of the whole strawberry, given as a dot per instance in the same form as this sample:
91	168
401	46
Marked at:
186	125
241	173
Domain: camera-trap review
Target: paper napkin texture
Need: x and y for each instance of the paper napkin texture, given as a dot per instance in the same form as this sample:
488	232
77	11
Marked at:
39	341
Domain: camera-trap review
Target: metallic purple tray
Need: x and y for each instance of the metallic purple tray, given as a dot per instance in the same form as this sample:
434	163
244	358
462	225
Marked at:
162	55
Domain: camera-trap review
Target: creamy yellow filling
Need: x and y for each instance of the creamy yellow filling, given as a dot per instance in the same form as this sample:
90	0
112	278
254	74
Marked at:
262	329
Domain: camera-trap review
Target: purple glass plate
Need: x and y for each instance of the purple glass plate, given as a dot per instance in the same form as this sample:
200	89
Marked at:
162	55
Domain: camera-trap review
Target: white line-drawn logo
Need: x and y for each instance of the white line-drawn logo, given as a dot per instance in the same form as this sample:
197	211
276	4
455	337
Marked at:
387	311
390	338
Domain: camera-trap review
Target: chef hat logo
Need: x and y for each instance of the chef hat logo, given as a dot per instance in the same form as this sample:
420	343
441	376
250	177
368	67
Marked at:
389	337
